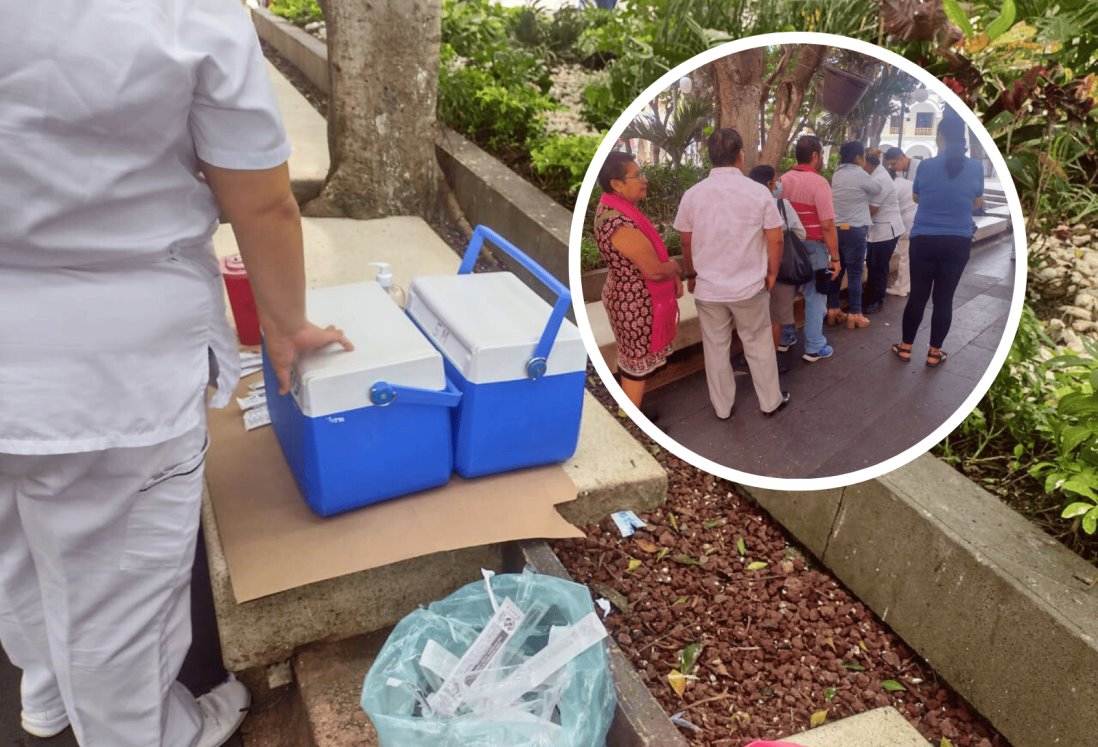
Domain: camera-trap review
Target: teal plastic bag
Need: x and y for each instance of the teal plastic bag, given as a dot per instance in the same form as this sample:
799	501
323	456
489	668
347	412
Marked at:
572	709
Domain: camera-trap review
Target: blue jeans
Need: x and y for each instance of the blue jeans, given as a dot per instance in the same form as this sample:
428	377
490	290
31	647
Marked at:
851	263
815	303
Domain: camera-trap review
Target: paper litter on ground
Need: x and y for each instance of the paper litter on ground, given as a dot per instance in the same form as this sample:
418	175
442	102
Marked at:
627	522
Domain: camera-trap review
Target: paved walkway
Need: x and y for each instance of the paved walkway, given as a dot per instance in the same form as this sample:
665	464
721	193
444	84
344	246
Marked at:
862	405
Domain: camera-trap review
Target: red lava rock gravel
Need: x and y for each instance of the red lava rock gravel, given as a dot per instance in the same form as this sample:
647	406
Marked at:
778	642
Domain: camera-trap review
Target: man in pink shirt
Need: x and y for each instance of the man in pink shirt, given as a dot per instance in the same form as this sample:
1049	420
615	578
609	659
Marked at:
732	236
810	194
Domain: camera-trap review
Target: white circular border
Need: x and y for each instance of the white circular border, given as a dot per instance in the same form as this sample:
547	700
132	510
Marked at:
1013	317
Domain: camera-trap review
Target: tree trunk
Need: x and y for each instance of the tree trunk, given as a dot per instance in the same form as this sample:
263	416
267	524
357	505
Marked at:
875	129
789	97
655	106
738	82
383	59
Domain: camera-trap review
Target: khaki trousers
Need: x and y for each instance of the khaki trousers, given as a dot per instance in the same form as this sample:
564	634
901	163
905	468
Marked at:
752	322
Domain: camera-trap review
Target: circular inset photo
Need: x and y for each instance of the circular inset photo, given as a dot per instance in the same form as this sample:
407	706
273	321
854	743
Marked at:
798	261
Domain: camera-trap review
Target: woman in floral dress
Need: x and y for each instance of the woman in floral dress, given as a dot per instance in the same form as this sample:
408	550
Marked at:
642	284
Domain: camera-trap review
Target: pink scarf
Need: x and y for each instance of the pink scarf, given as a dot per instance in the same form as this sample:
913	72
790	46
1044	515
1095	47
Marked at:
665	308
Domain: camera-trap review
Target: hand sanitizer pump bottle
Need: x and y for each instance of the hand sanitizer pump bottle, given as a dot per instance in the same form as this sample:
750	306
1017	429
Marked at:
385	280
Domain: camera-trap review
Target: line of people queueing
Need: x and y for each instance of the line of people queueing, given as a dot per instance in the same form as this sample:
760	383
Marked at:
732	228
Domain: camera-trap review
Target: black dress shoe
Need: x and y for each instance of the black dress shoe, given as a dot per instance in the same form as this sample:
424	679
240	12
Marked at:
779	408
783	363
873	308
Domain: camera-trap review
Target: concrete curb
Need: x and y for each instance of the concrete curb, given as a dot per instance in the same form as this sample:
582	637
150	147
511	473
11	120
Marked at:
490	193
1005	614
306	52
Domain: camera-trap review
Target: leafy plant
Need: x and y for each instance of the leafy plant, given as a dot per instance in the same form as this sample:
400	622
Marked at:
299	12
589	257
500	114
564	159
677	131
1073	437
1039	419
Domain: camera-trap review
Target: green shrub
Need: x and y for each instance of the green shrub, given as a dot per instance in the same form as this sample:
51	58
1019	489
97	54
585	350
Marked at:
666	186
1039	418
299	12
1071	432
475	27
600	109
503	115
562	160
589	254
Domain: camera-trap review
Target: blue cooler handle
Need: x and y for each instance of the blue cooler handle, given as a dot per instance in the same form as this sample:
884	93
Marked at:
383	394
536	366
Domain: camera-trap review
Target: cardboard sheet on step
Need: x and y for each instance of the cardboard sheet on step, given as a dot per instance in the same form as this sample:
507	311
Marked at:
273	542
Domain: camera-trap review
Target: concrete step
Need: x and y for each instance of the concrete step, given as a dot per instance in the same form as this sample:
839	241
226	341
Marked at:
990	225
610	469
882	727
308	133
321	708
329	682
689	331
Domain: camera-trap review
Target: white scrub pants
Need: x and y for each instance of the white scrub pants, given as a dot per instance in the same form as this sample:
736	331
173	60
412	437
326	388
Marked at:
95	566
901	286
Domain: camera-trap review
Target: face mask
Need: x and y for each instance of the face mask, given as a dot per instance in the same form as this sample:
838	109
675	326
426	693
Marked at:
777	191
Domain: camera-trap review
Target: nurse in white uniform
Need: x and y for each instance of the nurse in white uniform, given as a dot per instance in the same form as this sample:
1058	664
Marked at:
123	126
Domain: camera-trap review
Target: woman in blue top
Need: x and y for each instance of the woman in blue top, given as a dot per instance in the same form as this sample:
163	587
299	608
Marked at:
948	188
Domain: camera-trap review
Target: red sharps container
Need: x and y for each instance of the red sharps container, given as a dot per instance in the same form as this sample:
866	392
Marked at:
241	300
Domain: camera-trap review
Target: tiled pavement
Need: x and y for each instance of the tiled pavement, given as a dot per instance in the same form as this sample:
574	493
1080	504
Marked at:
862	405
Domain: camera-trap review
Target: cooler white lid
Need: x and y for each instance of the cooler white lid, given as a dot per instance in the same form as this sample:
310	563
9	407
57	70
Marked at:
388	347
489	324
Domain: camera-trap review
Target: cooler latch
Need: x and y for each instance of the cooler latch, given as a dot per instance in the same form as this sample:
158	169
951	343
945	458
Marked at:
384	394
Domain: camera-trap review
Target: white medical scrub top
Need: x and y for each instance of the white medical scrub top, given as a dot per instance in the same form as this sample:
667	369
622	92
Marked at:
110	296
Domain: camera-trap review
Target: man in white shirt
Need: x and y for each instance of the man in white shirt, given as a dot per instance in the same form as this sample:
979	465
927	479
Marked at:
732	246
896	162
126	129
887	227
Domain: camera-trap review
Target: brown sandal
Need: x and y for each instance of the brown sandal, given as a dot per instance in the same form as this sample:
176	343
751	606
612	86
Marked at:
936	358
901	352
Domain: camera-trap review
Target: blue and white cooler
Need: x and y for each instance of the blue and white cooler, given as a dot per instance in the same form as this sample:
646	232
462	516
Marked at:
364	426
520	365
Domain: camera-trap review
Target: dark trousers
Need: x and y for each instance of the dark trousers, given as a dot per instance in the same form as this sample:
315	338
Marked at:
936	266
202	668
878	255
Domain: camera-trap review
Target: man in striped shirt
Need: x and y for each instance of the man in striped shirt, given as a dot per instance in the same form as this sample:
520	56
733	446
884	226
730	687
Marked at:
810	194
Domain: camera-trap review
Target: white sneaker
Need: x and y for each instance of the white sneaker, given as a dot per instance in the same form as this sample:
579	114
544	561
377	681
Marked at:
44	725
223	710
